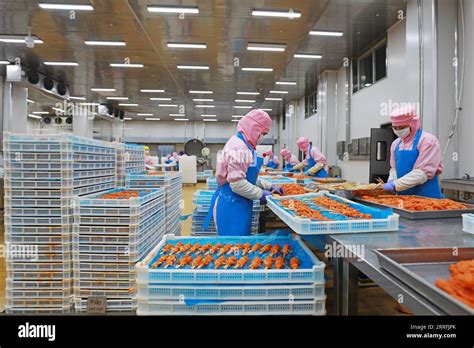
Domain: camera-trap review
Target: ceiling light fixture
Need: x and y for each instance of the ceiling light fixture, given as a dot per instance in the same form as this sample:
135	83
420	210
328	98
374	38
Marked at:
144	114
258	69
203	100
124	65
41	112
280	14
4	62
34	116
77	98
244	101
127	119
177	115
152	119
127	104
267	109
326	33
200	92
279	92
94	89
308	56
168	105
274	99
286	83
30	101
117	98
234	120
61	63
238	116
89	104
78	7
248	93
267	47
18	39
152	90
193	67
186	45
173	9
58	109
104	43
181	119
161	99
209	120
205	106
242	107
207	115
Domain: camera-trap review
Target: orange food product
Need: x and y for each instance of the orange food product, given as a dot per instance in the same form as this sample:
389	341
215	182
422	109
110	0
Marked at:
461	283
205	248
215	248
221	261
415	203
303	210
231	261
159	262
127	194
225	249
235	249
176	248
166	248
242	262
256	263
206	261
185	248
170	260
340	208
246	248
293	189
265	249
268	262
154	173
285	250
302	176
279	262
256	247
196	262
274	250
194	248
295	263
184	261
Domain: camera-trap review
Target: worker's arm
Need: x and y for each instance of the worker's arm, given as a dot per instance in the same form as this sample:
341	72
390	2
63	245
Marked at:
392	175
246	189
414	178
264	185
316	168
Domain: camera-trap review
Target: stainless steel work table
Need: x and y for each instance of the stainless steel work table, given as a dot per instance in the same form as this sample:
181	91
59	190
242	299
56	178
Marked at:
412	233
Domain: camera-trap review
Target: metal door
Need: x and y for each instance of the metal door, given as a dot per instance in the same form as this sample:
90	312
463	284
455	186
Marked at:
380	142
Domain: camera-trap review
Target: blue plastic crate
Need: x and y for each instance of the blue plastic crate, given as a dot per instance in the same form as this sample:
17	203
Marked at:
145	196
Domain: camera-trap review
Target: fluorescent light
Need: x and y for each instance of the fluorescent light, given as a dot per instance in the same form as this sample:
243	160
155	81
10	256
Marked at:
238	116
244	101
242	107
207	115
258	69
123	65
58	109
193	67
279	92
127	119
4	62
200	92
203	100
268	47
152	90
30	101
248	93
41	112
181	119
274	99
308	56
205	106
102	89
34	116
152	119
7	39
61	63
209	120
177	115
286	83
234	120
168	105
267	109
162	99
89	104
117	98
282	14
144	114
105	43
126	104
326	33
77	98
79	7
185	45
173	9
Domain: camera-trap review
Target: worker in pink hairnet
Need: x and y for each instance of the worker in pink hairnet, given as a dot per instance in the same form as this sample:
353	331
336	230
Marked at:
290	160
273	161
237	177
315	163
415	157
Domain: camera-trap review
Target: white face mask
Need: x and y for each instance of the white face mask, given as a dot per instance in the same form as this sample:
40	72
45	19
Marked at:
260	139
402	133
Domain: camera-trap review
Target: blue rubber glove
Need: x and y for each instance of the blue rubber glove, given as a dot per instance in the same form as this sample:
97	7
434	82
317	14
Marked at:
389	186
263	199
278	190
306	173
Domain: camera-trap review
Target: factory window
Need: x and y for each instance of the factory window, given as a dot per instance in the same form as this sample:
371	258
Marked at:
311	104
355	80
381	62
365	71
370	67
283	119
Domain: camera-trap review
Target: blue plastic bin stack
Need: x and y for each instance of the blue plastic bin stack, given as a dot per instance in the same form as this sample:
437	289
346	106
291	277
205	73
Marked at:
211	183
130	159
42	174
204	175
186	290
109	237
202	202
172	182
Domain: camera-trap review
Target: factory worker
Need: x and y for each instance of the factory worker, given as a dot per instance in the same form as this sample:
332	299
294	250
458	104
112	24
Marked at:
169	159
315	163
237	177
148	159
273	161
415	158
290	160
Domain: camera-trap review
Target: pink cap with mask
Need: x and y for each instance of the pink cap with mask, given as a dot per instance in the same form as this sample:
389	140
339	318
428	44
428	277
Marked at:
253	125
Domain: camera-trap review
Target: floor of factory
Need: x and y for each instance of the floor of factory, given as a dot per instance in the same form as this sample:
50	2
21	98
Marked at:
372	300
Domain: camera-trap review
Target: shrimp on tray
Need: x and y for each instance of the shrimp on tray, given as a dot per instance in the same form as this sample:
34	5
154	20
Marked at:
285	250
215	249
159	262
242	262
170	260
279	262
246	248
268	262
225	249
256	263
221	261
184	261
256	247
194	248
196	262
206	261
295	263
265	249
274	250
231	261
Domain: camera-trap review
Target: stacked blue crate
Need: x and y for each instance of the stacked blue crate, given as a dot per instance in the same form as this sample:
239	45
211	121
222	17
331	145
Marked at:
169	288
130	160
109	237
42	174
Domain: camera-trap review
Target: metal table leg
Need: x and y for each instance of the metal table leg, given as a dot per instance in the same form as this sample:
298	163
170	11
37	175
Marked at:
349	291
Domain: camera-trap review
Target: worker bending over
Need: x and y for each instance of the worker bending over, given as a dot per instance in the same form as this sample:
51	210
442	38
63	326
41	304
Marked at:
315	163
290	160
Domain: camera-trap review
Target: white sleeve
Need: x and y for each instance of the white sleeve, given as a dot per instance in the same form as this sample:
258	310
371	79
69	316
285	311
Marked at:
246	189
414	178
264	185
392	174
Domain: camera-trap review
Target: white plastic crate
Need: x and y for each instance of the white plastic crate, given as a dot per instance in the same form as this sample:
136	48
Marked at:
83	157
56	146
315	274
30	310
38	303
94	181
36	266
37	221
468	223
93	173
37	212
56	294
62	166
40	230
178	292
37	203
33	175
38	156
124	294
296	307
124	285
38	184
51	240
37	194
43	256
106	276
42	276
95	201
93	189
113	305
306	226
82	266
93	165
39	285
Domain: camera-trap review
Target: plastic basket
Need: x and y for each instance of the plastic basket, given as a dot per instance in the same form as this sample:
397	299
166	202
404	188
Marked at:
40	303
144	197
82	266
33	175
311	271
39	276
46	166
311	227
113	305
105	284
94	181
116	294
118	211
229	292
37	203
30	310
51	240
37	221
296	307
468	223
84	157
39	285
38	156
14	230
106	276
276	180
25	294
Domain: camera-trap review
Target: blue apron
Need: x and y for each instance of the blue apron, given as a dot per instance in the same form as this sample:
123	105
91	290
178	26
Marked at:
272	164
234	212
311	163
288	167
404	163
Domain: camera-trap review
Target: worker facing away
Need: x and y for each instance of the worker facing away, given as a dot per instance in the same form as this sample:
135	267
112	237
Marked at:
237	177
273	161
315	163
415	158
290	160
148	159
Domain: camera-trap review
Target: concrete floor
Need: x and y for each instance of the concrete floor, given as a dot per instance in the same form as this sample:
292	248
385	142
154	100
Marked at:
372	300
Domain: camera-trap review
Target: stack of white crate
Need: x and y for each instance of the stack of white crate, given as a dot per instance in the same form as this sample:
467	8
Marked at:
42	174
109	237
130	159
172	182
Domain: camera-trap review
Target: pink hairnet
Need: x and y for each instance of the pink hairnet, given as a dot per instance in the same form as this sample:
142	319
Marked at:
303	144
406	117
269	153
253	125
168	156
285	153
